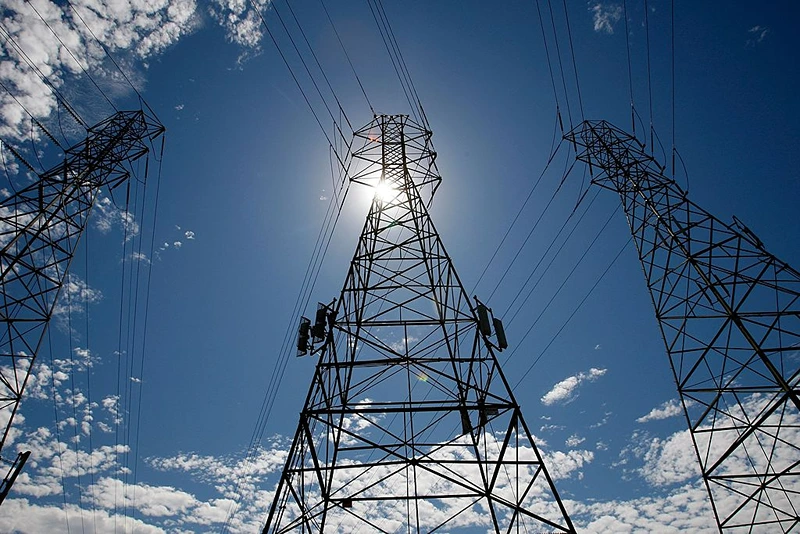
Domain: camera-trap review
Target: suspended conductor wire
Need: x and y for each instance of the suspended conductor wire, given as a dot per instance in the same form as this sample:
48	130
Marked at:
574	63
316	60
630	70
552	260
160	160
89	372
119	345
403	64
649	77
552	156
564	325
255	7
549	64
308	71
312	272
74	404
672	70
560	64
69	51
400	77
45	80
133	315
114	61
563	283
57	430
567	172
346	55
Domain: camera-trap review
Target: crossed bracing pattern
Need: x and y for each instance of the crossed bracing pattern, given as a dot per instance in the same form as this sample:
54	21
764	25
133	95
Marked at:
409	423
730	318
40	227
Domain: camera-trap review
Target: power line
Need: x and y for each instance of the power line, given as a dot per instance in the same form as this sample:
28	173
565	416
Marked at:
69	51
649	78
560	287
533	228
552	260
349	61
575	311
516	217
574	63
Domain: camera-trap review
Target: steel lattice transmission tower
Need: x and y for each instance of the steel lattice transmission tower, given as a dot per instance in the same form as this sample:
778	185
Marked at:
409	424
40	227
730	318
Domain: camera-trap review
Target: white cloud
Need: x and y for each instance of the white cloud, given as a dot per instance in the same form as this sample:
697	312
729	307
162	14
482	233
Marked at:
135	29
179	107
177	244
605	16
565	391
189	234
758	33
574	440
665	410
241	22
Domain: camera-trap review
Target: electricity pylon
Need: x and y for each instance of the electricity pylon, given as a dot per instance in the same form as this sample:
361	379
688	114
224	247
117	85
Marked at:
730	318
409	424
40	227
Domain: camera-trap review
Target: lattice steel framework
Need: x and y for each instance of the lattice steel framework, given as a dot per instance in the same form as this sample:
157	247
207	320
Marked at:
40	226
730	318
409	424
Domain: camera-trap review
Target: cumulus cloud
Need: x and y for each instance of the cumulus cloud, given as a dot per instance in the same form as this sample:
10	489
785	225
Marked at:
605	16
189	234
134	29
665	410
566	390
574	440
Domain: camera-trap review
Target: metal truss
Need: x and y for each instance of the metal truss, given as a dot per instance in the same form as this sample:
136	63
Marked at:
730	318
40	227
409	424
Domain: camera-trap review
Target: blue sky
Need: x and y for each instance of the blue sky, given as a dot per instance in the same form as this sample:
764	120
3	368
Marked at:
244	188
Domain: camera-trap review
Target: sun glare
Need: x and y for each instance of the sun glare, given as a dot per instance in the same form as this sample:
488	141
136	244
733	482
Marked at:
385	192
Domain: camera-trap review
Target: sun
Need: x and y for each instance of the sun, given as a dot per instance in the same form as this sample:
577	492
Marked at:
385	192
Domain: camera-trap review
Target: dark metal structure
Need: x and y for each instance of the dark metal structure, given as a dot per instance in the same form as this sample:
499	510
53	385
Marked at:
409	424
730	318
40	227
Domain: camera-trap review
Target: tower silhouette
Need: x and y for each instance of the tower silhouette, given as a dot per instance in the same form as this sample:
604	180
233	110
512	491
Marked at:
730	318
40	227
409	423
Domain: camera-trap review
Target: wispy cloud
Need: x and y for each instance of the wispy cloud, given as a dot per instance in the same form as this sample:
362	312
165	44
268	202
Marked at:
757	34
605	16
665	410
565	391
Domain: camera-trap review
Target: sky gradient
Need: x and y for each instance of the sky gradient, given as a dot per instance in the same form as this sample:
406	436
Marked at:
245	184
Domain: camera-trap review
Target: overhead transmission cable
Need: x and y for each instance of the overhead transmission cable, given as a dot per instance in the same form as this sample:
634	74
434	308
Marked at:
394	58
571	315
108	54
274	6
574	63
561	286
630	70
649	77
536	183
560	64
552	260
346	55
549	65
72	55
533	228
160	160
